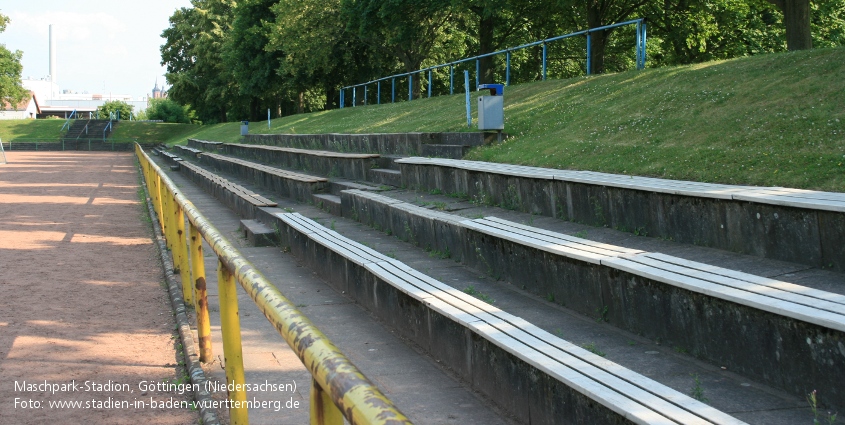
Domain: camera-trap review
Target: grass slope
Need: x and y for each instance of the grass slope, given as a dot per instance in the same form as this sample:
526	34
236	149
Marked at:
774	120
30	130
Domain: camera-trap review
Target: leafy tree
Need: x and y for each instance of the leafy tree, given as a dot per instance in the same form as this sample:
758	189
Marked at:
11	89
192	52
409	30
169	111
114	107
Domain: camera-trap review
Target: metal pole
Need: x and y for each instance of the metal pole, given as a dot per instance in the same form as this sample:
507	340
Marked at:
268	118
508	68
365	95
410	86
230	325
544	61
477	73
644	51
393	90
378	92
180	257
451	79
469	107
354	94
322	408
589	64
429	83
198	276
341	98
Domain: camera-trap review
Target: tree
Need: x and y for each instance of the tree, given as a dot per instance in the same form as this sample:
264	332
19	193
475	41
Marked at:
409	30
11	90
169	111
192	52
116	109
796	16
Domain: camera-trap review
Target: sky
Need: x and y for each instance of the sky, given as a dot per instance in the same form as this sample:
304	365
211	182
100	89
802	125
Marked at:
101	46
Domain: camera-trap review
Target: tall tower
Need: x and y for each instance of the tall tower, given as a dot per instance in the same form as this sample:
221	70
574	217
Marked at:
53	78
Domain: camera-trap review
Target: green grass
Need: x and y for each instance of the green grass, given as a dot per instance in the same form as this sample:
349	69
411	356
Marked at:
774	120
25	130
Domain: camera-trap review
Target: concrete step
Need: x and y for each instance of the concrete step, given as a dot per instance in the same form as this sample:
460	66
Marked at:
335	187
258	234
445	151
387	161
327	202
386	176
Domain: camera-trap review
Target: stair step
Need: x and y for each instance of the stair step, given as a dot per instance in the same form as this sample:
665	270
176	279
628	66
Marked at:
387	161
336	187
327	202
386	176
445	151
258	234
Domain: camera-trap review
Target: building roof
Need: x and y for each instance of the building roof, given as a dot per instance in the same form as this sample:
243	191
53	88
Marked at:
22	105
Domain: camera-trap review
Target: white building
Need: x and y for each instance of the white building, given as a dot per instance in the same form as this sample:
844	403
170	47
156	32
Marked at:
27	109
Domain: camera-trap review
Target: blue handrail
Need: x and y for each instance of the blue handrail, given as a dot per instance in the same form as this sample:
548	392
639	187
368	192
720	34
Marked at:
640	62
67	121
107	128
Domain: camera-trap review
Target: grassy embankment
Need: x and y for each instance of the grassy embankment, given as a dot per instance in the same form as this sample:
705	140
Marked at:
774	120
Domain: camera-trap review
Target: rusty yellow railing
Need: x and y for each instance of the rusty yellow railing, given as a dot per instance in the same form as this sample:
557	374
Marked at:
338	389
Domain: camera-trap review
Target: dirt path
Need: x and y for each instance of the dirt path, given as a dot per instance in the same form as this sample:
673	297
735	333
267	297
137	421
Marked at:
81	295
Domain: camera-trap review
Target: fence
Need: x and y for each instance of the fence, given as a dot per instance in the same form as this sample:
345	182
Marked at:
73	145
640	48
338	389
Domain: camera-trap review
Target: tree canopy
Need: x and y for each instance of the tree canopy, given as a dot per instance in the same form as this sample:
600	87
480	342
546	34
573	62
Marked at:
11	90
115	108
233	60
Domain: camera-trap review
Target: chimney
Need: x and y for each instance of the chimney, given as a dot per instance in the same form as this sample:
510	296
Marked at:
52	56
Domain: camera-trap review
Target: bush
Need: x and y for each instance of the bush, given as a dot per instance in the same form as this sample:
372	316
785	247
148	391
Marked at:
169	111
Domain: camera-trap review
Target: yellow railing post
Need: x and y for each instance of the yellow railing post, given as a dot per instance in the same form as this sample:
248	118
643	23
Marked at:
166	216
159	207
201	295
180	255
230	326
323	410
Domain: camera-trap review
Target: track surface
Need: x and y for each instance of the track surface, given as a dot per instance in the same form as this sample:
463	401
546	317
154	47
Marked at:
81	297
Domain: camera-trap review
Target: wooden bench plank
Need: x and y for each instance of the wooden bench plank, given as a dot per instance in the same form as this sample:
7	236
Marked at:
741	281
761	302
328	154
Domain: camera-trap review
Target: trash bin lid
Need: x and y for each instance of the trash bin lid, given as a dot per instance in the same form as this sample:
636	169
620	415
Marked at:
495	89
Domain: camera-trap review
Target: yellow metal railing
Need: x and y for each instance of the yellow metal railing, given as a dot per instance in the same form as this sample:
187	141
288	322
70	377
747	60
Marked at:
338	389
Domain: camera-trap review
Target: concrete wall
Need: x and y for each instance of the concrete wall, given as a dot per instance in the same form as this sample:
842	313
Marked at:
406	144
799	235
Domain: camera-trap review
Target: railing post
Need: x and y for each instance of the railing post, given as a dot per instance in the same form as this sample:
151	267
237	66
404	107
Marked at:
469	108
365	95
198	276
157	202
323	410
544	61
354	95
230	326
429	83
643	50
341	98
451	79
393	90
166	216
477	73
410	86
589	56
180	256
508	68
378	92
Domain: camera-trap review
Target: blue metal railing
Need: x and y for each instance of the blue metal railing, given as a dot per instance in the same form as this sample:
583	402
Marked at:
107	128
640	46
67	121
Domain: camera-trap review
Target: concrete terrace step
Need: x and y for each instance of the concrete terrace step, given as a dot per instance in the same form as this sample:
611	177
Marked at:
717	313
328	202
440	224
286	183
404	144
332	164
745	219
385	176
233	195
189	151
439	316
205	145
